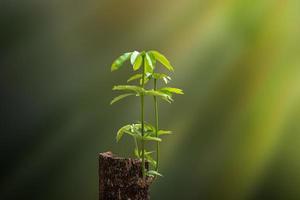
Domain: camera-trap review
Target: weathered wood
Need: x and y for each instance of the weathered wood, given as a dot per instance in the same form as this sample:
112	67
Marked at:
121	178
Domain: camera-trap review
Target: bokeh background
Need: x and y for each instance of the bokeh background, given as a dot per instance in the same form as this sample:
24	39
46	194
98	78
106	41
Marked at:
237	128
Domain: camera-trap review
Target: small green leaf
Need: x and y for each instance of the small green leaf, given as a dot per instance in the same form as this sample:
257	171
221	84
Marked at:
150	160
149	126
165	77
162	59
172	90
151	138
164	96
153	173
121	132
133	57
122	96
158	75
148	64
148	152
153	60
134	88
146	80
136	134
134	77
137	153
164	132
132	130
138	62
149	60
120	61
148	75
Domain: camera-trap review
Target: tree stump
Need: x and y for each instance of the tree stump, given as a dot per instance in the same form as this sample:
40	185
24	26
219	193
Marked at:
121	178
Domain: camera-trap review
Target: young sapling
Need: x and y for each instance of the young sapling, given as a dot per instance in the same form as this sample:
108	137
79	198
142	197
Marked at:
142	132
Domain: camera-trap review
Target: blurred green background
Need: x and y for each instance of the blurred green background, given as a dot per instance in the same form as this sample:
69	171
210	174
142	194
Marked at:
237	128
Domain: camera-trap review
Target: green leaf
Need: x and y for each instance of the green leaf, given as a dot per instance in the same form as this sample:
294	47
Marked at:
161	94
153	59
162	59
148	152
146	80
147	126
130	129
166	80
148	75
133	57
137	153
136	134
151	138
121	131
122	96
148	64
138	62
164	132
172	90
133	88
153	173
135	131
149	60
165	77
120	61
158	75
150	160
134	77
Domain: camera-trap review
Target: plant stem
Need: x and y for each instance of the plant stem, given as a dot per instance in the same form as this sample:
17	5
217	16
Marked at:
156	124
142	121
136	145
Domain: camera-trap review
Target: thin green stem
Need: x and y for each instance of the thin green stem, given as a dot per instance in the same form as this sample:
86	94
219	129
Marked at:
136	145
142	121
156	124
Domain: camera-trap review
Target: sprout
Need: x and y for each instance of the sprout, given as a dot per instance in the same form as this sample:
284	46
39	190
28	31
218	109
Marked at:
143	132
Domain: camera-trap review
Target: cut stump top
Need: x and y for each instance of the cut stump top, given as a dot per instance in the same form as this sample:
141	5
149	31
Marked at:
121	178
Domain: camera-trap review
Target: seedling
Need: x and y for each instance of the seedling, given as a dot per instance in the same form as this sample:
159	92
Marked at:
142	132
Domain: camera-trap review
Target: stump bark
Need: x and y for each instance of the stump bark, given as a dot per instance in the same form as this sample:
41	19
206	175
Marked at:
121	178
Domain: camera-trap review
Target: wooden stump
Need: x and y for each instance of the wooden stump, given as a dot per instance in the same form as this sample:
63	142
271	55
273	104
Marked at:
121	178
